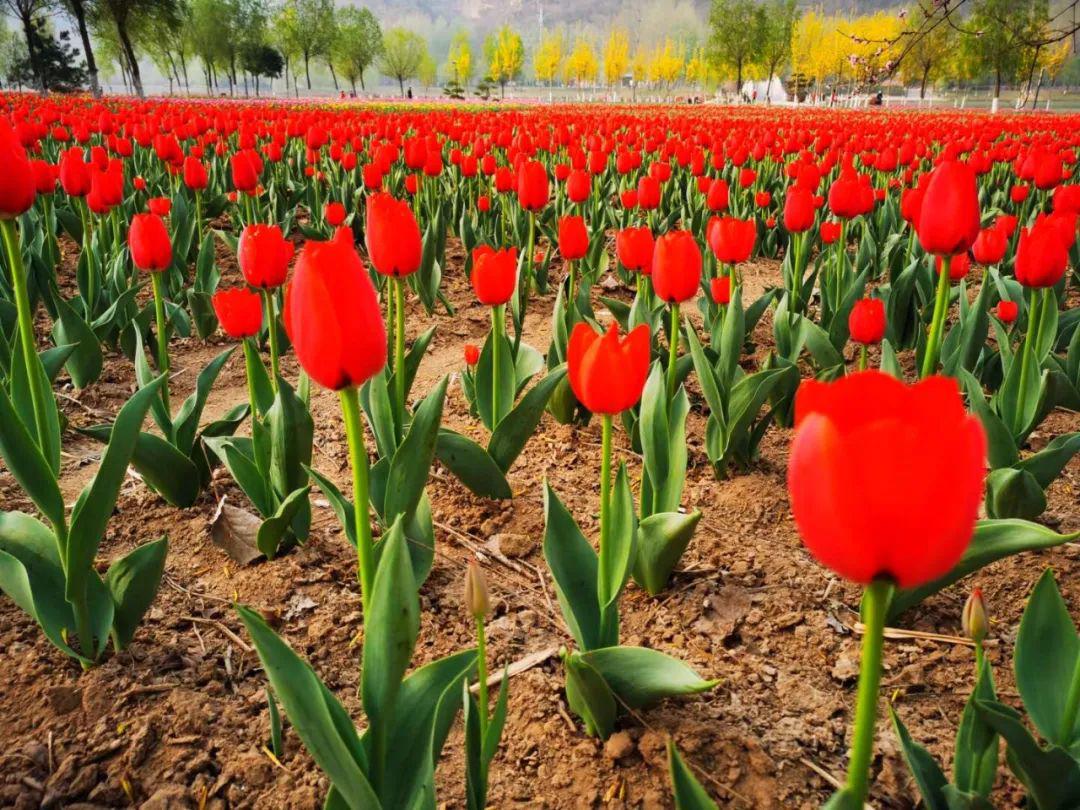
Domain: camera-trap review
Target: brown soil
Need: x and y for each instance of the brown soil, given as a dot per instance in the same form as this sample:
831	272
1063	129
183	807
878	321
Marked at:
179	720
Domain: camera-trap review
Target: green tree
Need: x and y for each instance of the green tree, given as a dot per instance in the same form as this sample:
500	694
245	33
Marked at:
309	31
505	54
124	17
428	72
926	49
777	30
459	61
26	13
58	67
735	36
262	60
78	10
356	44
12	52
165	37
993	48
402	55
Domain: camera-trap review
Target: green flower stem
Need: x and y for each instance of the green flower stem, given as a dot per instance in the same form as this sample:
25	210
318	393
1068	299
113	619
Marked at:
605	494
251	360
673	350
875	605
399	352
358	460
1034	326
573	281
25	316
941	309
158	282
498	329
198	212
482	674
862	357
526	279
271	328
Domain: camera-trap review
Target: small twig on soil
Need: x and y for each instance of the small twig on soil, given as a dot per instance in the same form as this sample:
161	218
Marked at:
828	777
235	639
900	635
172	583
521	665
94	412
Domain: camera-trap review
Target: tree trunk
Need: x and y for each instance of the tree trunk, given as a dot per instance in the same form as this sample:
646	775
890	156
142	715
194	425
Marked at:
31	52
183	70
206	72
401	84
922	85
79	11
286	77
353	83
362	87
1038	87
997	83
133	62
333	74
307	68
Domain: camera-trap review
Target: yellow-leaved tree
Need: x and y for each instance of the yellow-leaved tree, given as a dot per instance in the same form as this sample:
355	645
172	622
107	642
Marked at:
697	68
616	56
459	61
505	53
665	63
581	65
549	56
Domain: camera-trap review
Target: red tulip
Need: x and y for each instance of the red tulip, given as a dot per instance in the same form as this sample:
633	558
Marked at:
949	216
717	197
246	167
866	323
1041	258
634	247
886	479
483	203
573	238
959	266
240	311
332	315
532	185
472	354
393	237
1007	311
607	373
148	239
578	186
195	176
732	240
75	176
720	289
1066	198
334	213
162	206
628	199
830	232
762	199
990	246
1019	193
19	186
799	211
648	193
263	254
494	274
676	266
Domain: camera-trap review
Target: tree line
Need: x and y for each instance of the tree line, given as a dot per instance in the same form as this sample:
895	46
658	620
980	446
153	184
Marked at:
231	46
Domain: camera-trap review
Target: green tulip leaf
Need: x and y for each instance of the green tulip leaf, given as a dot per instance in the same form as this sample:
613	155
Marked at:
661	541
993	540
510	435
472	465
685	788
133	582
573	564
642	677
924	768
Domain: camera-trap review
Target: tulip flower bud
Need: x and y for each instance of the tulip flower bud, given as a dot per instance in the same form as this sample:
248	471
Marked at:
974	620
477	600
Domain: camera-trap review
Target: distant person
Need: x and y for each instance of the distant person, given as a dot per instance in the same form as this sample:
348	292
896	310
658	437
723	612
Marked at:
408	93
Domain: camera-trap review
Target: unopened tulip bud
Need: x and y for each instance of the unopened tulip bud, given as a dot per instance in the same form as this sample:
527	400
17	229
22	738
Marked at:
477	601
974	620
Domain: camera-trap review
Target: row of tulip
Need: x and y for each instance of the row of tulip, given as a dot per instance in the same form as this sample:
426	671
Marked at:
929	200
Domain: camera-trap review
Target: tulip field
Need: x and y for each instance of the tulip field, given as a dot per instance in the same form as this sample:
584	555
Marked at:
412	457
